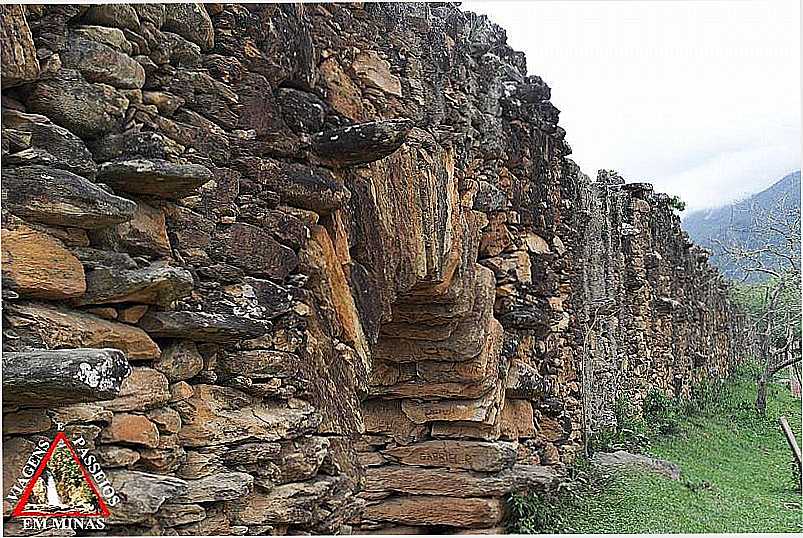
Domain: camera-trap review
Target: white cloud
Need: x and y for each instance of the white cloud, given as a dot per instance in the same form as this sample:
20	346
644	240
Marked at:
701	98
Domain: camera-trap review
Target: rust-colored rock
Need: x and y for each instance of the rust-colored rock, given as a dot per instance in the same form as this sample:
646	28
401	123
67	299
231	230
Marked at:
18	51
49	326
131	429
438	510
36	265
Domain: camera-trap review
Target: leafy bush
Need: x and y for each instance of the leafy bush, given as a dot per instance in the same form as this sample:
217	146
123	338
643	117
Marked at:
629	433
675	202
548	512
662	413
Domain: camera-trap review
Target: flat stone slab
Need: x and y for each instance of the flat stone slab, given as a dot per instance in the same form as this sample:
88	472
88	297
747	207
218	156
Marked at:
362	143
622	459
160	285
459	483
46	326
473	455
61	198
201	326
45	377
154	177
438	510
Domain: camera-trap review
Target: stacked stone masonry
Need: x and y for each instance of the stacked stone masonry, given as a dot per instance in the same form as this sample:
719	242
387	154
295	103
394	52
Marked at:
331	265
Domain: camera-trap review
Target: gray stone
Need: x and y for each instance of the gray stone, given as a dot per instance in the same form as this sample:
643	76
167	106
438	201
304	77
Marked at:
111	37
43	378
101	63
61	198
621	459
154	177
61	148
180	360
201	326
114	16
190	21
157	284
362	143
254	249
88	110
142	494
217	487
135	145
173	514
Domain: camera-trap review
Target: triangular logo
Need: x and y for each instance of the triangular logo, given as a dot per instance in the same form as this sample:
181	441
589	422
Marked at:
61	486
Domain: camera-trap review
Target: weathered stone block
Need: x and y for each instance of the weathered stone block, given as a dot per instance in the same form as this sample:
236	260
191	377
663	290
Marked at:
100	63
55	146
54	327
36	265
438	510
217	487
154	177
214	416
436	481
131	429
145	233
255	250
43	378
144	389
179	361
142	494
373	71
88	110
18	51
362	143
201	326
474	455
61	198
157	284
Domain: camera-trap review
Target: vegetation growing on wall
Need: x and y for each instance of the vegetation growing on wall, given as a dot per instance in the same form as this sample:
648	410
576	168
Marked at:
737	473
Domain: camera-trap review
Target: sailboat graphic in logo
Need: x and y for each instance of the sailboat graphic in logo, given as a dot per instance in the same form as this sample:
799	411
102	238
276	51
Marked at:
61	486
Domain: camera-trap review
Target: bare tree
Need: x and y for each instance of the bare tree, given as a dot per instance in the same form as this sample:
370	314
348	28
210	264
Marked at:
767	248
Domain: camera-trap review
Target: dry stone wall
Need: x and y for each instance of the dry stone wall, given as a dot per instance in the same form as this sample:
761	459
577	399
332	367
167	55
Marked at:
330	263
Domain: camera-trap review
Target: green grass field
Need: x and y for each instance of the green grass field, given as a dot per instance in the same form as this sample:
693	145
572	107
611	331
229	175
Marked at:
737	476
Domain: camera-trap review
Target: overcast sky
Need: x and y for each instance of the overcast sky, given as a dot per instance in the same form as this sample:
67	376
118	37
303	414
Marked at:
701	98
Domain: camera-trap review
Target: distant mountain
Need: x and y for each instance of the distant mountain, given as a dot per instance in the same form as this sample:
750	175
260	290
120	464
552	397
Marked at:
727	224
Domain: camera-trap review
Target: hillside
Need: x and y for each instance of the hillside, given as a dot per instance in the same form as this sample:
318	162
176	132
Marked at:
730	224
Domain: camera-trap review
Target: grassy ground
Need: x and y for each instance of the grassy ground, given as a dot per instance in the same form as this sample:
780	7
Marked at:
737	477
